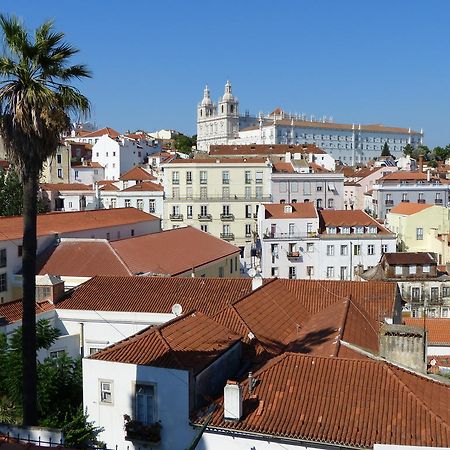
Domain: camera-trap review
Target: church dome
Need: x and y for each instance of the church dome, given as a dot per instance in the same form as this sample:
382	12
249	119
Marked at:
206	101
228	95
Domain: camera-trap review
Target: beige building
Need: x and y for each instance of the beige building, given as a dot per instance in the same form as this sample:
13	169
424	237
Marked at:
421	227
217	195
57	167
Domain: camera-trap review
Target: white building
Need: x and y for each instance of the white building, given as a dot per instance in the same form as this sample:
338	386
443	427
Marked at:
300	242
87	172
69	197
221	123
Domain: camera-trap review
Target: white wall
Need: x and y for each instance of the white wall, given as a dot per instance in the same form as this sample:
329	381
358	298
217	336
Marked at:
172	402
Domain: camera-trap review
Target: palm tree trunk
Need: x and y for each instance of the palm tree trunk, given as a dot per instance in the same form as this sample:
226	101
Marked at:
29	375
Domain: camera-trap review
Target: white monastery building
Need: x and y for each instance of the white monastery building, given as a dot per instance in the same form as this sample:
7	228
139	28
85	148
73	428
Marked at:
221	123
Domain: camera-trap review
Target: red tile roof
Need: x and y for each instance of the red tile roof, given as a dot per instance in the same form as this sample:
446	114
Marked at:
407	258
299	210
409	208
12	311
87	165
352	403
189	342
65	222
137	174
172	252
283	167
66	187
212	160
108	187
101	132
404	175
438	330
155	294
83	258
145	187
350	218
263	149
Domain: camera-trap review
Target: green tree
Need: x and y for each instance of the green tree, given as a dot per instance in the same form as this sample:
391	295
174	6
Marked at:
35	102
385	151
441	153
11	195
408	150
185	143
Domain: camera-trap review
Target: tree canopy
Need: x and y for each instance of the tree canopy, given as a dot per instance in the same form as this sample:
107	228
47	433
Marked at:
185	143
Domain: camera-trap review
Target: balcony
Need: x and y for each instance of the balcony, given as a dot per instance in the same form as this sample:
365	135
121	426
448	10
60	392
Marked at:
138	431
389	202
293	256
227	236
203	181
405	200
205	217
255	215
176	181
176	217
438	201
227	217
225	181
421	200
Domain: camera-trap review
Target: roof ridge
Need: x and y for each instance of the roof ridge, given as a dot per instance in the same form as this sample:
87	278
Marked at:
119	257
341	329
166	344
267	283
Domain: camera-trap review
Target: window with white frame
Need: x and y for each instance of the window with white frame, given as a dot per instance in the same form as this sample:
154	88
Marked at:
204	228
310	271
384	248
259	192
151	205
175	177
426	268
419	234
225	177
259	177
344	250
176	192
203	192
310	247
140	204
331	230
188	177
370	249
412	269
248	177
248	211
189	211
330	250
106	391
292	272
60	173
127	203
356	249
359	230
345	230
189	192
203	177
248	192
330	272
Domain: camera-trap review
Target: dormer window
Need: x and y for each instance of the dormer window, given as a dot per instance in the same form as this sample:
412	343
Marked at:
331	230
372	230
345	230
359	230
287	209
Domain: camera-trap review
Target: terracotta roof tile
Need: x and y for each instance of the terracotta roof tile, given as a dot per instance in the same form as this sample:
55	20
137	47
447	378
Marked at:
66	187
263	149
87	165
222	160
409	208
350	218
101	132
65	222
109	187
354	403
404	175
83	258
438	330
299	210
155	294
172	252
137	174
12	311
190	342
145	187
407	258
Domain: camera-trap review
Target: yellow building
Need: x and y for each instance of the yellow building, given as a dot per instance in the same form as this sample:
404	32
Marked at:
57	167
421	227
217	195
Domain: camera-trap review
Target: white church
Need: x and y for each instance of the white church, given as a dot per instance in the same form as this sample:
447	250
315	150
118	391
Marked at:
221	123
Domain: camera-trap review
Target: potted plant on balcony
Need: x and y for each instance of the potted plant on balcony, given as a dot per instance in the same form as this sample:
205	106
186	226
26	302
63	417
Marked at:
135	430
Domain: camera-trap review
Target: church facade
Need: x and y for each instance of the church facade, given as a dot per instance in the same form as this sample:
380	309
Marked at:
352	144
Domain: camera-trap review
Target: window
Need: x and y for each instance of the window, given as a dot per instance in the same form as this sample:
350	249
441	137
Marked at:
189	177
248	211
259	192
412	269
127	203
370	249
189	211
310	271
398	270
404	197
259	177
292	273
274	272
446	291
330	250
175	177
189	192
203	177
203	210
60	173
3	257
307	188
175	210
345	230
372	230
132	233
283	187
3	282
221	272
357	249
344	250
58	158
225	177
331	230
203	192
248	177
225	192
426	268
415	293
231	266
204	228
309	228
248	192
176	192
106	392
419	234
434	293
330	203
343	273
151	205
113	203
330	272
384	248
359	230
248	230
19	251
310	247
291	229
145	403
140	204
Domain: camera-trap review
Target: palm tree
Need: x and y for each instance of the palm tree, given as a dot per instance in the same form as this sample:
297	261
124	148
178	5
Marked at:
36	99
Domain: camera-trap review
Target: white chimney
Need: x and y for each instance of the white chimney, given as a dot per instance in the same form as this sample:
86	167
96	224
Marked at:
232	401
257	281
428	175
287	157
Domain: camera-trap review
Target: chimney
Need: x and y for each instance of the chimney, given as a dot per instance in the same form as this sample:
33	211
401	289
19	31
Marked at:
232	401
287	157
49	288
428	175
420	163
257	281
251	382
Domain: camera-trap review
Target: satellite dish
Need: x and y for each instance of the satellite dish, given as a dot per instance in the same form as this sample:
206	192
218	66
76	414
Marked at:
177	309
251	272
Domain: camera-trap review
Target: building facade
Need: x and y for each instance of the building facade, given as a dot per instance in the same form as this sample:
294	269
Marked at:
352	144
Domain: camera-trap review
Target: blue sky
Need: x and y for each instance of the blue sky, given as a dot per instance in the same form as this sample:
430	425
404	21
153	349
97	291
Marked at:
360	61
